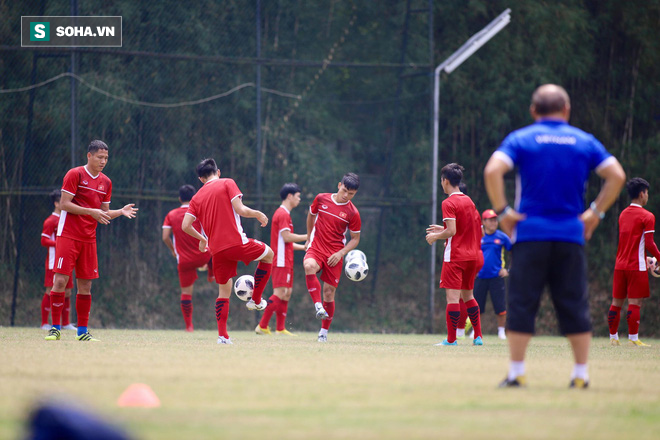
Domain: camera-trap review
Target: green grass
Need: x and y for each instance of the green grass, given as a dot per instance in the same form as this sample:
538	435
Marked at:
357	386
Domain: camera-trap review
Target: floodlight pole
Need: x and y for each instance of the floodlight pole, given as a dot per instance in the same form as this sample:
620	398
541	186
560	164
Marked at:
449	65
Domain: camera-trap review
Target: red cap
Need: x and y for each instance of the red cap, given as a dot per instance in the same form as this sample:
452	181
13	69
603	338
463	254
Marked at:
489	213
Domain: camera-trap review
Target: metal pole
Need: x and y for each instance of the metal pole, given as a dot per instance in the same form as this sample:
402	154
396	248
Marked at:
258	87
434	189
74	94
434	179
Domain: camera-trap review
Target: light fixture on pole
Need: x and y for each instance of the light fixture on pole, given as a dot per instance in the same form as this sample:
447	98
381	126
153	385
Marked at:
449	65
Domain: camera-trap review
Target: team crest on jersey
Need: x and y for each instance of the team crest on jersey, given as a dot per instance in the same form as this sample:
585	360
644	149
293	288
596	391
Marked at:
101	187
343	214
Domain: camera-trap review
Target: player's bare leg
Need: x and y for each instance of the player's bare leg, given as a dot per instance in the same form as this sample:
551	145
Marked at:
329	306
580	344
314	286
518	343
501	325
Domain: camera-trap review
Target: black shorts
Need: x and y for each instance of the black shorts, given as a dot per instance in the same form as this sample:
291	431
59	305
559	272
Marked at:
497	293
561	266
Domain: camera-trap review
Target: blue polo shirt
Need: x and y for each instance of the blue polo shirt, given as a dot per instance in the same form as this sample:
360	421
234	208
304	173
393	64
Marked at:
554	160
493	246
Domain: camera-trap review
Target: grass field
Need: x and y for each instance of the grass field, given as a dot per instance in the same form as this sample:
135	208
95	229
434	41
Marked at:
357	386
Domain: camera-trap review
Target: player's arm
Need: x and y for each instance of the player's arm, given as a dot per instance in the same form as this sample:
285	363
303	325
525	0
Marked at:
433	233
290	237
45	236
129	210
167	239
352	244
100	215
187	227
494	173
247	212
614	177
311	218
649	244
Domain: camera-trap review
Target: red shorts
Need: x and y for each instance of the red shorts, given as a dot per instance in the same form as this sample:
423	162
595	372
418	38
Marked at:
630	284
72	254
282	277
459	275
188	271
329	274
226	261
48	280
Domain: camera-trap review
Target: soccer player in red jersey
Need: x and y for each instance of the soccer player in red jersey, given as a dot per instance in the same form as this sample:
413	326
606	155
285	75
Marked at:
85	202
48	241
186	251
218	206
631	280
462	256
330	217
282	241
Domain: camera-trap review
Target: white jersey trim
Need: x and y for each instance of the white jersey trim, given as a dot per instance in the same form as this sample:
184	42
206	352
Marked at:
90	174
335	216
504	158
606	163
187	213
167	227
68	192
641	255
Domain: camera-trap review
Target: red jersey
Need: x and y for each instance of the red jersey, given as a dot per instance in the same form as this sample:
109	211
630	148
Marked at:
332	221
89	192
186	247
636	227
466	244
283	251
48	238
212	207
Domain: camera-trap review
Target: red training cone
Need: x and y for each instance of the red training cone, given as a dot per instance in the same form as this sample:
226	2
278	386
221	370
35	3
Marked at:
138	394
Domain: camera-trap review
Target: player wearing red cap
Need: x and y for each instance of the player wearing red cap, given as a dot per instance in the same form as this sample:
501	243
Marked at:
631	280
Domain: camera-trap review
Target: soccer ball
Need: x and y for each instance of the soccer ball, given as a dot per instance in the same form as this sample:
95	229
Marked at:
243	287
356	269
356	254
653	266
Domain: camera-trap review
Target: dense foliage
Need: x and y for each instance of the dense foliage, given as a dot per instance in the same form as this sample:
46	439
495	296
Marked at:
371	117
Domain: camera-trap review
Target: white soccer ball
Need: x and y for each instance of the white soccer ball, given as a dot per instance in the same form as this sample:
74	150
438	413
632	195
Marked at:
653	266
356	269
356	254
243	287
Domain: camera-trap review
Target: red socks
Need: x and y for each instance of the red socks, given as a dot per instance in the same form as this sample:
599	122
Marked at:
187	310
221	314
473	313
83	305
56	306
464	314
273	305
45	308
453	314
330	308
280	315
261	277
313	287
633	319
66	312
613	318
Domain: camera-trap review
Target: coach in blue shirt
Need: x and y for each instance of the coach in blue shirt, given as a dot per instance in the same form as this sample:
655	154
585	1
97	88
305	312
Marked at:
549	224
491	276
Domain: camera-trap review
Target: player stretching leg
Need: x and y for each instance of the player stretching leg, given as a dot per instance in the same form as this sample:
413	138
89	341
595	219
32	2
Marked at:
186	251
329	217
631	280
282	241
462	256
48	241
218	206
85	202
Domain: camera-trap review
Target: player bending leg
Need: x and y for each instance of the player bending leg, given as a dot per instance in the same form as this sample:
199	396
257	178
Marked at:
48	237
186	251
282	241
85	203
218	206
631	280
462	256
329	217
